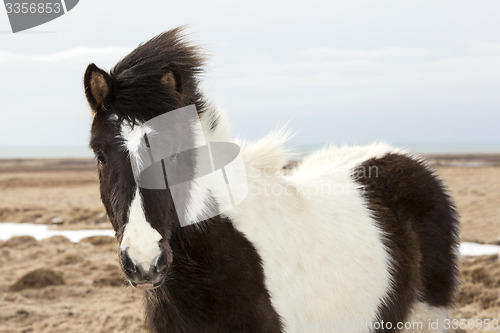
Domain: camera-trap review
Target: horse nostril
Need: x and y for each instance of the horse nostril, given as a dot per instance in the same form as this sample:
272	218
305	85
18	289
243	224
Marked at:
128	264
163	260
144	273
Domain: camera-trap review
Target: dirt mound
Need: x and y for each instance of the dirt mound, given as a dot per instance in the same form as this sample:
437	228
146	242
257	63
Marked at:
20	242
99	240
70	258
112	279
484	270
38	278
479	295
56	240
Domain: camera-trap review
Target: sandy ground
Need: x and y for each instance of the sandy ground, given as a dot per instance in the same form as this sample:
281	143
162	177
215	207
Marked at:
51	192
476	192
54	285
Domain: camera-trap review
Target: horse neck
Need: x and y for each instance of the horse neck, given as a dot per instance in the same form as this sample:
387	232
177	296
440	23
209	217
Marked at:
205	258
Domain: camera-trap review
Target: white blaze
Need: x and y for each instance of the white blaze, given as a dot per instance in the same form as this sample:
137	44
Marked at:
139	237
141	240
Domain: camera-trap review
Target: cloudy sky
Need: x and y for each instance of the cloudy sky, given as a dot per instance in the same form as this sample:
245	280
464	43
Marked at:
340	71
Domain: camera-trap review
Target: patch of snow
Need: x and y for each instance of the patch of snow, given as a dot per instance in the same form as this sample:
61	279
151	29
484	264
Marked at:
476	249
42	231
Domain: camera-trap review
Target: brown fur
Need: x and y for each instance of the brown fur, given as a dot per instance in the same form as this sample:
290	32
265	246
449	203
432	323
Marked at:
97	86
419	219
169	80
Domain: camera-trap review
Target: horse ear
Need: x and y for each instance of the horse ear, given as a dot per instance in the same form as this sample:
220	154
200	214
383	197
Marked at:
97	86
173	79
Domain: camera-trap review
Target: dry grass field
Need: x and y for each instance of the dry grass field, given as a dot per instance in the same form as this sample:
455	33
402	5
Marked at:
54	285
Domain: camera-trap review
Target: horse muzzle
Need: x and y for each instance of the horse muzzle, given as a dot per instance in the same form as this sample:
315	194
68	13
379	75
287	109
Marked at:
146	275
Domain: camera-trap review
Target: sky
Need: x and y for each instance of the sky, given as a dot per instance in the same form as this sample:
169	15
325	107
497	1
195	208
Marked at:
338	71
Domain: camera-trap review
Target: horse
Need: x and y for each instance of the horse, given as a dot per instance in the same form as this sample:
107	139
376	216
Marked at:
350	239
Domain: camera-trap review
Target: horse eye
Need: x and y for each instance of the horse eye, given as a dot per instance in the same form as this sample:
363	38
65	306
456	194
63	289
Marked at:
100	157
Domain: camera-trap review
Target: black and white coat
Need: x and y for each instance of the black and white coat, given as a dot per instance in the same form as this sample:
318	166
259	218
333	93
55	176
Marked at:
349	240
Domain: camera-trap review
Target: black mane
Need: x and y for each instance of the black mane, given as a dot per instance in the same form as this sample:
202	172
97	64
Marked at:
137	92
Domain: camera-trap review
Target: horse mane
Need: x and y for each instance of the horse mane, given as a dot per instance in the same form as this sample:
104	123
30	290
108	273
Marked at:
137	78
270	153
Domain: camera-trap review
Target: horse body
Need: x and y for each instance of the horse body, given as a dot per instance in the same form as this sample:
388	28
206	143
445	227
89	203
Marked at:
349	240
325	261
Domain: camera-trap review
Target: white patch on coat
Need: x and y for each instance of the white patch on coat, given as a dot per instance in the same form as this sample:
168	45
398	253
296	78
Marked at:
134	143
323	256
140	239
221	132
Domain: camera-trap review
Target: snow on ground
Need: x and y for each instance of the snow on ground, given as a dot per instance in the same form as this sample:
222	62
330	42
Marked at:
476	249
42	231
